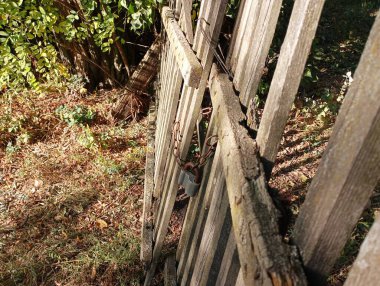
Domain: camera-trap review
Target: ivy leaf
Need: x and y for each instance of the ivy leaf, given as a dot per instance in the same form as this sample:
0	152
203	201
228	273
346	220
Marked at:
123	3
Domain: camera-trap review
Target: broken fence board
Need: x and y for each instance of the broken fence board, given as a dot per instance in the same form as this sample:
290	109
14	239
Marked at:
348	172
264	258
188	63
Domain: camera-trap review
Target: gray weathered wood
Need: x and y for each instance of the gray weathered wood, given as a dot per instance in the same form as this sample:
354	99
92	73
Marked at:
170	104
239	280
230	266
188	259
294	52
209	251
189	65
264	258
170	278
365	270
348	172
186	21
248	10
147	225
201	200
189	108
248	29
250	66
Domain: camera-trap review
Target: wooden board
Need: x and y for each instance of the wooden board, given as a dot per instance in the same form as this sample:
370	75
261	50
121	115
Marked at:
250	68
215	232
170	272
349	169
190	67
147	220
189	108
230	265
264	258
365	270
291	63
186	21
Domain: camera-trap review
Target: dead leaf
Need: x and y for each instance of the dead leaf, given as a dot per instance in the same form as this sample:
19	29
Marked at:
101	223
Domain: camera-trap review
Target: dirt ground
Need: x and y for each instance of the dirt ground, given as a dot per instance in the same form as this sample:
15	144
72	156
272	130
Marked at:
71	186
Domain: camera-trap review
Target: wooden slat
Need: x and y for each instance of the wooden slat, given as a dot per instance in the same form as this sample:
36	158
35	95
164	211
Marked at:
186	21
247	29
201	200
264	258
216	232
294	52
246	7
189	65
349	170
195	220
169	110
250	69
189	108
230	266
365	270
239	280
147	225
170	278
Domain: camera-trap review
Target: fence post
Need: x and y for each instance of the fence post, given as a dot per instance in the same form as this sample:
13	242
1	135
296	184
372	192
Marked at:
294	52
348	172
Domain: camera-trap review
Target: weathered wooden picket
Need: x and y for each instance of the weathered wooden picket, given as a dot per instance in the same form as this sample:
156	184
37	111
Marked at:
230	234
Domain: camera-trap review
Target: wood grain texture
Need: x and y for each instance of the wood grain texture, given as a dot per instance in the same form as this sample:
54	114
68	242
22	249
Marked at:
294	52
264	258
185	20
230	265
250	69
349	169
197	206
147	220
189	108
188	63
168	109
170	272
195	221
365	270
209	249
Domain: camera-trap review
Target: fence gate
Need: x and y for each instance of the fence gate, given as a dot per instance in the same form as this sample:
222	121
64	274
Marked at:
230	234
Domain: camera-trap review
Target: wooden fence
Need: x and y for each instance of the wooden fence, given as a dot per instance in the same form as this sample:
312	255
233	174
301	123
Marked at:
230	234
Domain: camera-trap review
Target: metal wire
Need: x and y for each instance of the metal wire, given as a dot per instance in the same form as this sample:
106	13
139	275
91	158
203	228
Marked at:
202	160
214	44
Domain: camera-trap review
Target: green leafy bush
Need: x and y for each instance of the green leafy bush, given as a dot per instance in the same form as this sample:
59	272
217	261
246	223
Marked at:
33	32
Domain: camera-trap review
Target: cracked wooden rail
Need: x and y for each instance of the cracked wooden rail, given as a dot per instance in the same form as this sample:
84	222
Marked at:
264	258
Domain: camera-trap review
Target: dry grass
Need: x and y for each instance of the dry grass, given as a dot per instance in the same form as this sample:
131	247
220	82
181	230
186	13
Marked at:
70	194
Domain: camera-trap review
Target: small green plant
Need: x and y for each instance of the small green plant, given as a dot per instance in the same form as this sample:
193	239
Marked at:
76	115
11	149
108	166
87	139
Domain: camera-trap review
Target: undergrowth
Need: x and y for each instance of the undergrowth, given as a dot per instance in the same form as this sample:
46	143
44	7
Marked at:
70	191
